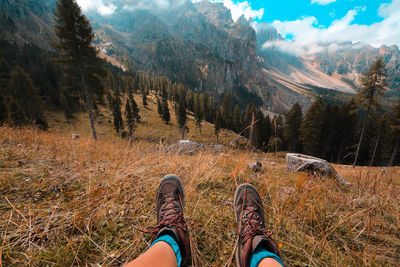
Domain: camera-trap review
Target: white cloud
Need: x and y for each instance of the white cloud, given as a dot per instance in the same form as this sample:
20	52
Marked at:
322	2
241	8
97	5
309	37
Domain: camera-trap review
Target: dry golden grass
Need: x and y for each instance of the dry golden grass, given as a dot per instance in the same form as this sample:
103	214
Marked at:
73	203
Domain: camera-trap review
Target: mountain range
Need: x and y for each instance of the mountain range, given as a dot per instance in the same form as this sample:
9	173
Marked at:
201	46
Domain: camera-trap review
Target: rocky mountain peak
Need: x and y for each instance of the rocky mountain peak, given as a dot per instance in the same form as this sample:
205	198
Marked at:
243	21
265	33
383	50
215	13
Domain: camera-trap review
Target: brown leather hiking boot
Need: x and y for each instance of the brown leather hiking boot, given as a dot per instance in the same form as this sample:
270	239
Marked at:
170	202
250	221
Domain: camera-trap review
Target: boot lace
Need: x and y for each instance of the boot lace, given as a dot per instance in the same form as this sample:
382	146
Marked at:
252	225
171	217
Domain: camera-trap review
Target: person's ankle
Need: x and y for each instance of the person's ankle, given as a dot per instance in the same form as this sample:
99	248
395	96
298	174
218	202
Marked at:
263	251
169	238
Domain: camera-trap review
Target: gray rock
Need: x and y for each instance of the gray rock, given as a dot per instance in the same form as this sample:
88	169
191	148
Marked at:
300	162
187	147
255	166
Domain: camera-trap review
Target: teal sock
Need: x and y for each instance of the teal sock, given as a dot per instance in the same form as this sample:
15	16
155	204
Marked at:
174	245
261	253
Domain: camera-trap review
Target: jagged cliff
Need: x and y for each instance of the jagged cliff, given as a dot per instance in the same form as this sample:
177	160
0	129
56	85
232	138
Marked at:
197	44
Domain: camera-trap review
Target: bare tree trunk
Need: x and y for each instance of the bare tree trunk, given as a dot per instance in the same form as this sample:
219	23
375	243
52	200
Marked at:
394	153
373	155
88	104
183	133
250	141
359	142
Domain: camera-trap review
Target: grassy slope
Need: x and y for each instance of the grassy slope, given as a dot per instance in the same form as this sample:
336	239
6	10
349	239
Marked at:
151	128
73	202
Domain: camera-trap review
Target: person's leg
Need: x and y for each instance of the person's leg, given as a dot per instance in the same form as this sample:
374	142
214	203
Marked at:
269	262
170	237
161	254
255	246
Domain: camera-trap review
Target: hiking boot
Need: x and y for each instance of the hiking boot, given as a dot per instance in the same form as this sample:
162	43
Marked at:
250	221
170	202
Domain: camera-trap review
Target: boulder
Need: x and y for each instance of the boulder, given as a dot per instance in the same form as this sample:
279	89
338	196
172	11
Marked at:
299	162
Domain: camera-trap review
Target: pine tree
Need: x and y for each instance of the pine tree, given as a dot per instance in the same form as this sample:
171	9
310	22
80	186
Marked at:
378	131
373	88
310	129
26	98
135	109
130	119
248	119
166	117
226	111
4	72
17	115
217	124
144	99
181	116
116	111
211	109
394	136
3	110
197	111
65	104
159	107
326	130
205	107
292	128
75	36
330	135
266	132
237	119
190	100
346	131
257	135
275	142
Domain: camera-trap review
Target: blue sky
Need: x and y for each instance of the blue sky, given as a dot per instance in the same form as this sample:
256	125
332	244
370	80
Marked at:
325	13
